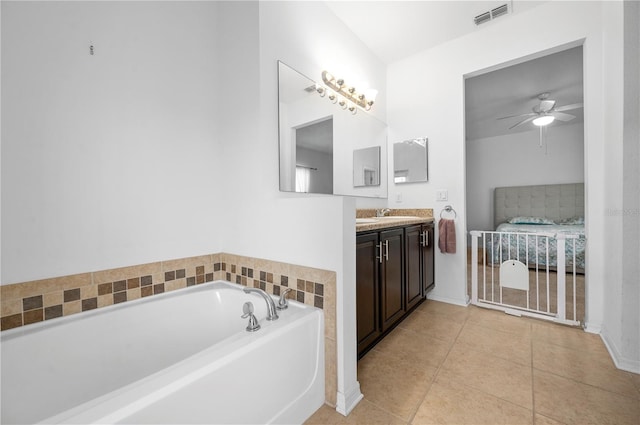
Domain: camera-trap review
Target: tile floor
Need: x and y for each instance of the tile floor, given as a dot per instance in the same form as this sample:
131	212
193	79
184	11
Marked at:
446	364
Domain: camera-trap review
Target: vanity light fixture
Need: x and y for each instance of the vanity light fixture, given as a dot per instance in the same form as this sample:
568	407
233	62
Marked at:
350	96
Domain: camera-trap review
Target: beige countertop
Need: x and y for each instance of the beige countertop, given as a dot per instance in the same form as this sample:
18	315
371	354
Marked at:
400	217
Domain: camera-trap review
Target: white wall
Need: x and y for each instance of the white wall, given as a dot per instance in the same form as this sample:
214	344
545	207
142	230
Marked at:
426	98
316	231
111	159
622	295
518	160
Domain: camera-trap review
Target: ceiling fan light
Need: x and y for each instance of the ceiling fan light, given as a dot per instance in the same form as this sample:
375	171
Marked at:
543	120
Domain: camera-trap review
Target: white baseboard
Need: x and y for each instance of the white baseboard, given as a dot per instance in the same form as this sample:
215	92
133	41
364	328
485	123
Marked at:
630	365
345	403
447	300
593	328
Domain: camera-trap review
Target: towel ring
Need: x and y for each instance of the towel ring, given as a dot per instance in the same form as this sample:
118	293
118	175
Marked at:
449	209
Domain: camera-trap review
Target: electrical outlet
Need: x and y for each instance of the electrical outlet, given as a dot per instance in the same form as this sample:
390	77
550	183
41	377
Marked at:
442	195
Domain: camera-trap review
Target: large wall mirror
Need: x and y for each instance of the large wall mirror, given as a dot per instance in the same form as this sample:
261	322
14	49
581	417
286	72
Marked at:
410	161
321	144
366	167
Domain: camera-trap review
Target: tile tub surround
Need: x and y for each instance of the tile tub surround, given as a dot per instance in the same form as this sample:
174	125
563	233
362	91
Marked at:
35	301
315	287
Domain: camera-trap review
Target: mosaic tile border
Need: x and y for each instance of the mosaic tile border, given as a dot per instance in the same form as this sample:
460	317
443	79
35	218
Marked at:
25	303
31	302
303	291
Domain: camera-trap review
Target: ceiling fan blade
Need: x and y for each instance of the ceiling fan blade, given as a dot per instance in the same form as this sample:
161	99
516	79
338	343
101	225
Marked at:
569	107
546	105
519	115
524	121
562	116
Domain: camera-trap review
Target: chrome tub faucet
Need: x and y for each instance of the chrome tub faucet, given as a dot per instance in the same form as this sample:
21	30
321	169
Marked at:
271	305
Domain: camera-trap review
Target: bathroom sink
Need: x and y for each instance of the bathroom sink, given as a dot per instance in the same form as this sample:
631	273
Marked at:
366	220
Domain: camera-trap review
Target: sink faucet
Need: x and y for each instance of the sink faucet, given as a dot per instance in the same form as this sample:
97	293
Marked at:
271	306
382	211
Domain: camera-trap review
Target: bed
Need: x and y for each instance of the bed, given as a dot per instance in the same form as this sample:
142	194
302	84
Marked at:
528	213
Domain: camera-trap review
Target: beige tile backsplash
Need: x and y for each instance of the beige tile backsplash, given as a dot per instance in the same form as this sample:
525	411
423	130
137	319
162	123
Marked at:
25	303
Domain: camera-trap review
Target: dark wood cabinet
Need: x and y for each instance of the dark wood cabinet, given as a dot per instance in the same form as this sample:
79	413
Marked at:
394	269
415	287
392	277
428	265
367	290
419	262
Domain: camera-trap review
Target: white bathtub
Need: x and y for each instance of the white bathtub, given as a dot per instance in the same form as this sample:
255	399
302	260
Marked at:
180	357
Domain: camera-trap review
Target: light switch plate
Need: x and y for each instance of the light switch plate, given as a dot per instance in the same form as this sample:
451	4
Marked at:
442	195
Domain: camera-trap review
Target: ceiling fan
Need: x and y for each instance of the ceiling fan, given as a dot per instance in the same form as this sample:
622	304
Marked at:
545	112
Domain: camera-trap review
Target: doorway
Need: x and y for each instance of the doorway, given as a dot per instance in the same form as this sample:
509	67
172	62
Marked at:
505	148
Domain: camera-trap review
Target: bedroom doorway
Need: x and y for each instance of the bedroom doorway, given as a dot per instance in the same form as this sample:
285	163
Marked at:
524	127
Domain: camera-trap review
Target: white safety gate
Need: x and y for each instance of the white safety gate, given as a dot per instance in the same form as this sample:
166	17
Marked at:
522	274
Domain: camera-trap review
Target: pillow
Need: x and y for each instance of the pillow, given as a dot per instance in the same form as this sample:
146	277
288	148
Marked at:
530	220
572	220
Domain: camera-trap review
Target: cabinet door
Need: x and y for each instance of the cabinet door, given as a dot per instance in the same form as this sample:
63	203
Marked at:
392	277
427	258
413	272
367	290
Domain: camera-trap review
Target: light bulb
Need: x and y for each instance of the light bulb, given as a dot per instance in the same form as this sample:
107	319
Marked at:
543	120
371	94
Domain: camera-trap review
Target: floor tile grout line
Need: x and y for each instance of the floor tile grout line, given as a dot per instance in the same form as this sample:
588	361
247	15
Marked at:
435	375
408	422
386	411
479	389
575	381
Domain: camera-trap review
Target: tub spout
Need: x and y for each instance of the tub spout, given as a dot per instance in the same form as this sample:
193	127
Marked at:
271	305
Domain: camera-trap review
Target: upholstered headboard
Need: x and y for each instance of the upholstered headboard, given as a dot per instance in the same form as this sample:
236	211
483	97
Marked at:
554	201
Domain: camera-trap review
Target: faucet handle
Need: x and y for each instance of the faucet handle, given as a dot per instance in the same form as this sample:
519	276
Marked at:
283	304
247	309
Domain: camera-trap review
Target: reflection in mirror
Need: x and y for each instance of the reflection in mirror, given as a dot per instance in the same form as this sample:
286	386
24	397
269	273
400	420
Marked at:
302	161
317	140
366	167
314	157
410	161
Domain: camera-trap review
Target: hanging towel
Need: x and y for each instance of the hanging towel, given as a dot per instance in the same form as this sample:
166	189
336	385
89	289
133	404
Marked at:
447	236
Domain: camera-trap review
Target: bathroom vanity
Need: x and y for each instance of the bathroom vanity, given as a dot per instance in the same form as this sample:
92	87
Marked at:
394	271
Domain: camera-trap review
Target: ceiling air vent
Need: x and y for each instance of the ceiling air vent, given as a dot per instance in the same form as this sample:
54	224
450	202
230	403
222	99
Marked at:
499	11
481	19
491	14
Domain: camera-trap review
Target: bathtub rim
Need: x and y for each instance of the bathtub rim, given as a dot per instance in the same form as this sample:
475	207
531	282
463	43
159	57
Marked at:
58	321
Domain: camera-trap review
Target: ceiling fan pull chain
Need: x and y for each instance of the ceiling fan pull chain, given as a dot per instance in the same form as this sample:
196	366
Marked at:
541	130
